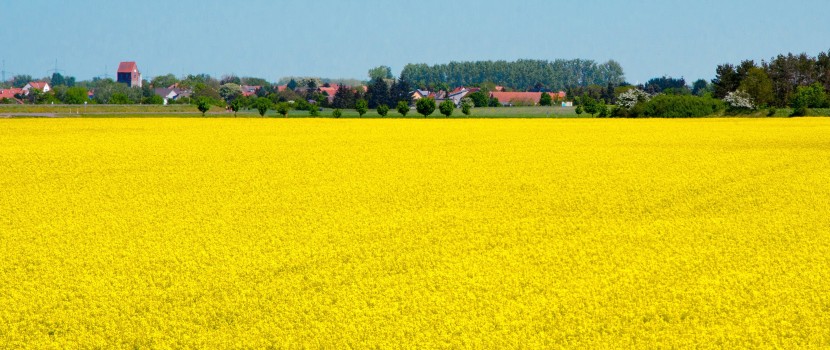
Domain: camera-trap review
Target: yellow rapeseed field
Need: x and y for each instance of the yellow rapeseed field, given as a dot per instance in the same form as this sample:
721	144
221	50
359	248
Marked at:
322	233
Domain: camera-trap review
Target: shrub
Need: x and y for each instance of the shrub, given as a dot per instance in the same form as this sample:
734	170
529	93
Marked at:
361	106
425	106
739	102
283	108
203	104
403	108
383	110
337	113
678	106
467	105
446	107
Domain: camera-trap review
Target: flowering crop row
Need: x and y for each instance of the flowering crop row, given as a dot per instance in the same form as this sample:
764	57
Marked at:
257	233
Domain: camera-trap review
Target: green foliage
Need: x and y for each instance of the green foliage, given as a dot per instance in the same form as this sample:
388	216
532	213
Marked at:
262	105
237	104
362	106
771	112
700	87
602	111
812	96
758	85
153	100
380	72
230	92
480	98
589	105
466	105
383	110
667	85
253	81
283	108
57	80
336	113
728	77
164	81
314	110
378	93
446	107
119	98
425	106
578	110
21	80
203	105
545	99
403	108
292	85
520	74
678	106
75	96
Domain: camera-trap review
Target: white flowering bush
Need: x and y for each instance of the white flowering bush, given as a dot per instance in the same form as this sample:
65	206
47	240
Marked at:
739	100
631	97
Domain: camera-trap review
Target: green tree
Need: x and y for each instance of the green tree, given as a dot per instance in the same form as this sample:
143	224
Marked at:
602	110
699	87
758	85
336	113
589	105
378	93
805	97
75	96
283	108
262	105
153	100
119	98
57	79
292	84
163	81
380	72
446	107
383	110
230	92
467	105
21	80
425	106
236	105
403	108
578	110
480	98
362	106
314	110
545	100
203	104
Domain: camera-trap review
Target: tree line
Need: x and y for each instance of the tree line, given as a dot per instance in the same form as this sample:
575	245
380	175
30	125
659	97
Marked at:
531	75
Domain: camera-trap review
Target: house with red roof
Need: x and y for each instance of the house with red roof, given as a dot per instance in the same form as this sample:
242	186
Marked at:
11	94
524	98
38	85
128	74
250	90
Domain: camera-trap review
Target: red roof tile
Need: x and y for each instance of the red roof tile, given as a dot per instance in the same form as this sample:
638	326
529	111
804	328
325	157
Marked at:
127	67
40	85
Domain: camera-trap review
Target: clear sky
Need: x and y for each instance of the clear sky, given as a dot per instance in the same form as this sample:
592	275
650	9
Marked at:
343	39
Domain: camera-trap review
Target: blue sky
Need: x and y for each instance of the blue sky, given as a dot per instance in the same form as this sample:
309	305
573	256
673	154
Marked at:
343	39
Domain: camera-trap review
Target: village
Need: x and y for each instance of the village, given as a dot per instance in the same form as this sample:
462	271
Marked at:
187	89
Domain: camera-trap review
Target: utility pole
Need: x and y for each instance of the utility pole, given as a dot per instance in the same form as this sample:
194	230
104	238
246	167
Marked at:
4	72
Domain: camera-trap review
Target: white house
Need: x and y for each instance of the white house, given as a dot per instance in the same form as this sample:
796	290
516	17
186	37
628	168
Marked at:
39	85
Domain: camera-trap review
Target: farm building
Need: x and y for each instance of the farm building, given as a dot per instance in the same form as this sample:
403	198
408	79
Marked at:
128	74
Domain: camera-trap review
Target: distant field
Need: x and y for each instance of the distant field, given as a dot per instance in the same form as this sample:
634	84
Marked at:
486	233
